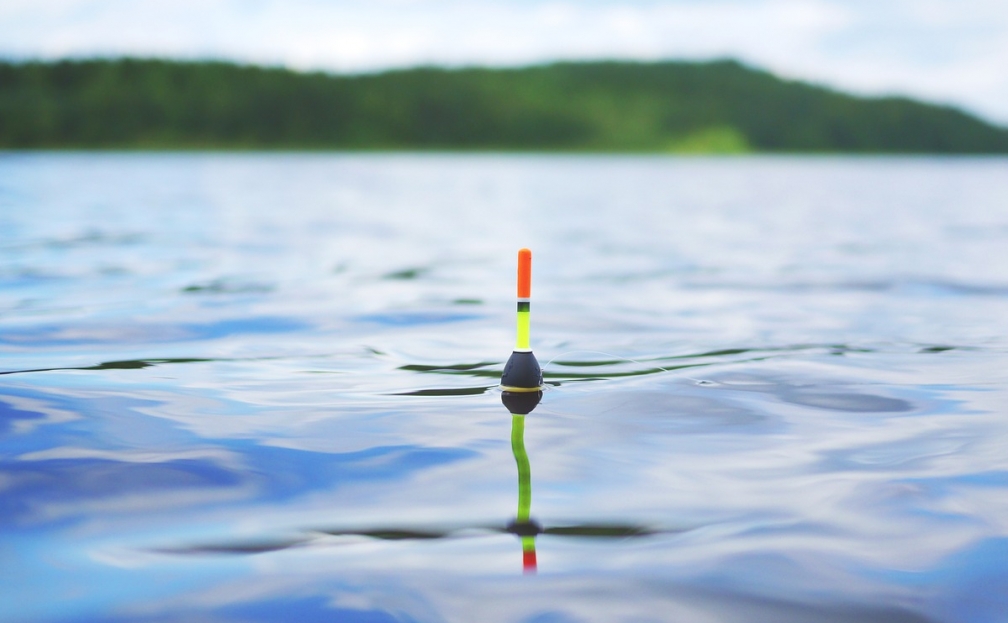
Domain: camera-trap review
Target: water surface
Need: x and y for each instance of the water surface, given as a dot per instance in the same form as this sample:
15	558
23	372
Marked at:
263	388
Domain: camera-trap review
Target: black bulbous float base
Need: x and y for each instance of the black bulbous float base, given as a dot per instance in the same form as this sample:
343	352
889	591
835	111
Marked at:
521	372
520	403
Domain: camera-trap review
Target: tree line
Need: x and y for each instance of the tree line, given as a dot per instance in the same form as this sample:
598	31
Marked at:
704	107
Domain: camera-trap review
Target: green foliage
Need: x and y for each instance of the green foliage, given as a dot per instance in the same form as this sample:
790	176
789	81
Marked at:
716	140
713	107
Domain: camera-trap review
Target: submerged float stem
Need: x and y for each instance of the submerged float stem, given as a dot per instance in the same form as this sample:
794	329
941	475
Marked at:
524	469
522	519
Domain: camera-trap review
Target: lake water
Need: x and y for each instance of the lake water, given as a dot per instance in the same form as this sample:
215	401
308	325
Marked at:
262	387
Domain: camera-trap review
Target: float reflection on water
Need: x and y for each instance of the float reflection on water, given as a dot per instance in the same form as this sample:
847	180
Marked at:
521	404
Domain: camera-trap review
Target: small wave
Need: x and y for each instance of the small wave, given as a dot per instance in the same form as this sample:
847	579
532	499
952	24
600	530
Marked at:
92	238
407	274
910	286
223	286
404	319
126	364
588	530
59	335
559	369
448	391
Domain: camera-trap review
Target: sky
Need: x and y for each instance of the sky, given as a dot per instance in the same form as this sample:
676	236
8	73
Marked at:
946	51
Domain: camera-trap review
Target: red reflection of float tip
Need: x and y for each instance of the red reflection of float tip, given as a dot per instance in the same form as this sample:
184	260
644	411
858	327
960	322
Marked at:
529	561
524	273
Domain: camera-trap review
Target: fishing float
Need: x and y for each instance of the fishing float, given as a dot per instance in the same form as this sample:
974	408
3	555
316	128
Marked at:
521	390
522	382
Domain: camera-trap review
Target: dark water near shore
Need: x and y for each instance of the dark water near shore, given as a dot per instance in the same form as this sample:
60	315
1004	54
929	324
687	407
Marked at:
263	388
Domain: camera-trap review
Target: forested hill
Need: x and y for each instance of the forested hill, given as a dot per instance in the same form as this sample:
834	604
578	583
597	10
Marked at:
718	106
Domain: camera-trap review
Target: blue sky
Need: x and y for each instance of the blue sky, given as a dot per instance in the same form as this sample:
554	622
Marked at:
940	50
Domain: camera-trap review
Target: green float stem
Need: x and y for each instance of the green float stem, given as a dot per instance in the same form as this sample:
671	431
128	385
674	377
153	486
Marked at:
522	343
524	470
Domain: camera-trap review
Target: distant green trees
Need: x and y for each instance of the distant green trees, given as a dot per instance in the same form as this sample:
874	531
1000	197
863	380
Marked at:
719	106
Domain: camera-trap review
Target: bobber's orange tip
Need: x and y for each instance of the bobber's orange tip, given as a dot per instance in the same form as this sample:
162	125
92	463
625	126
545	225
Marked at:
524	273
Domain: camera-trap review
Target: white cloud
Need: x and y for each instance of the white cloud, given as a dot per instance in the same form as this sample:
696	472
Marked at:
940	50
